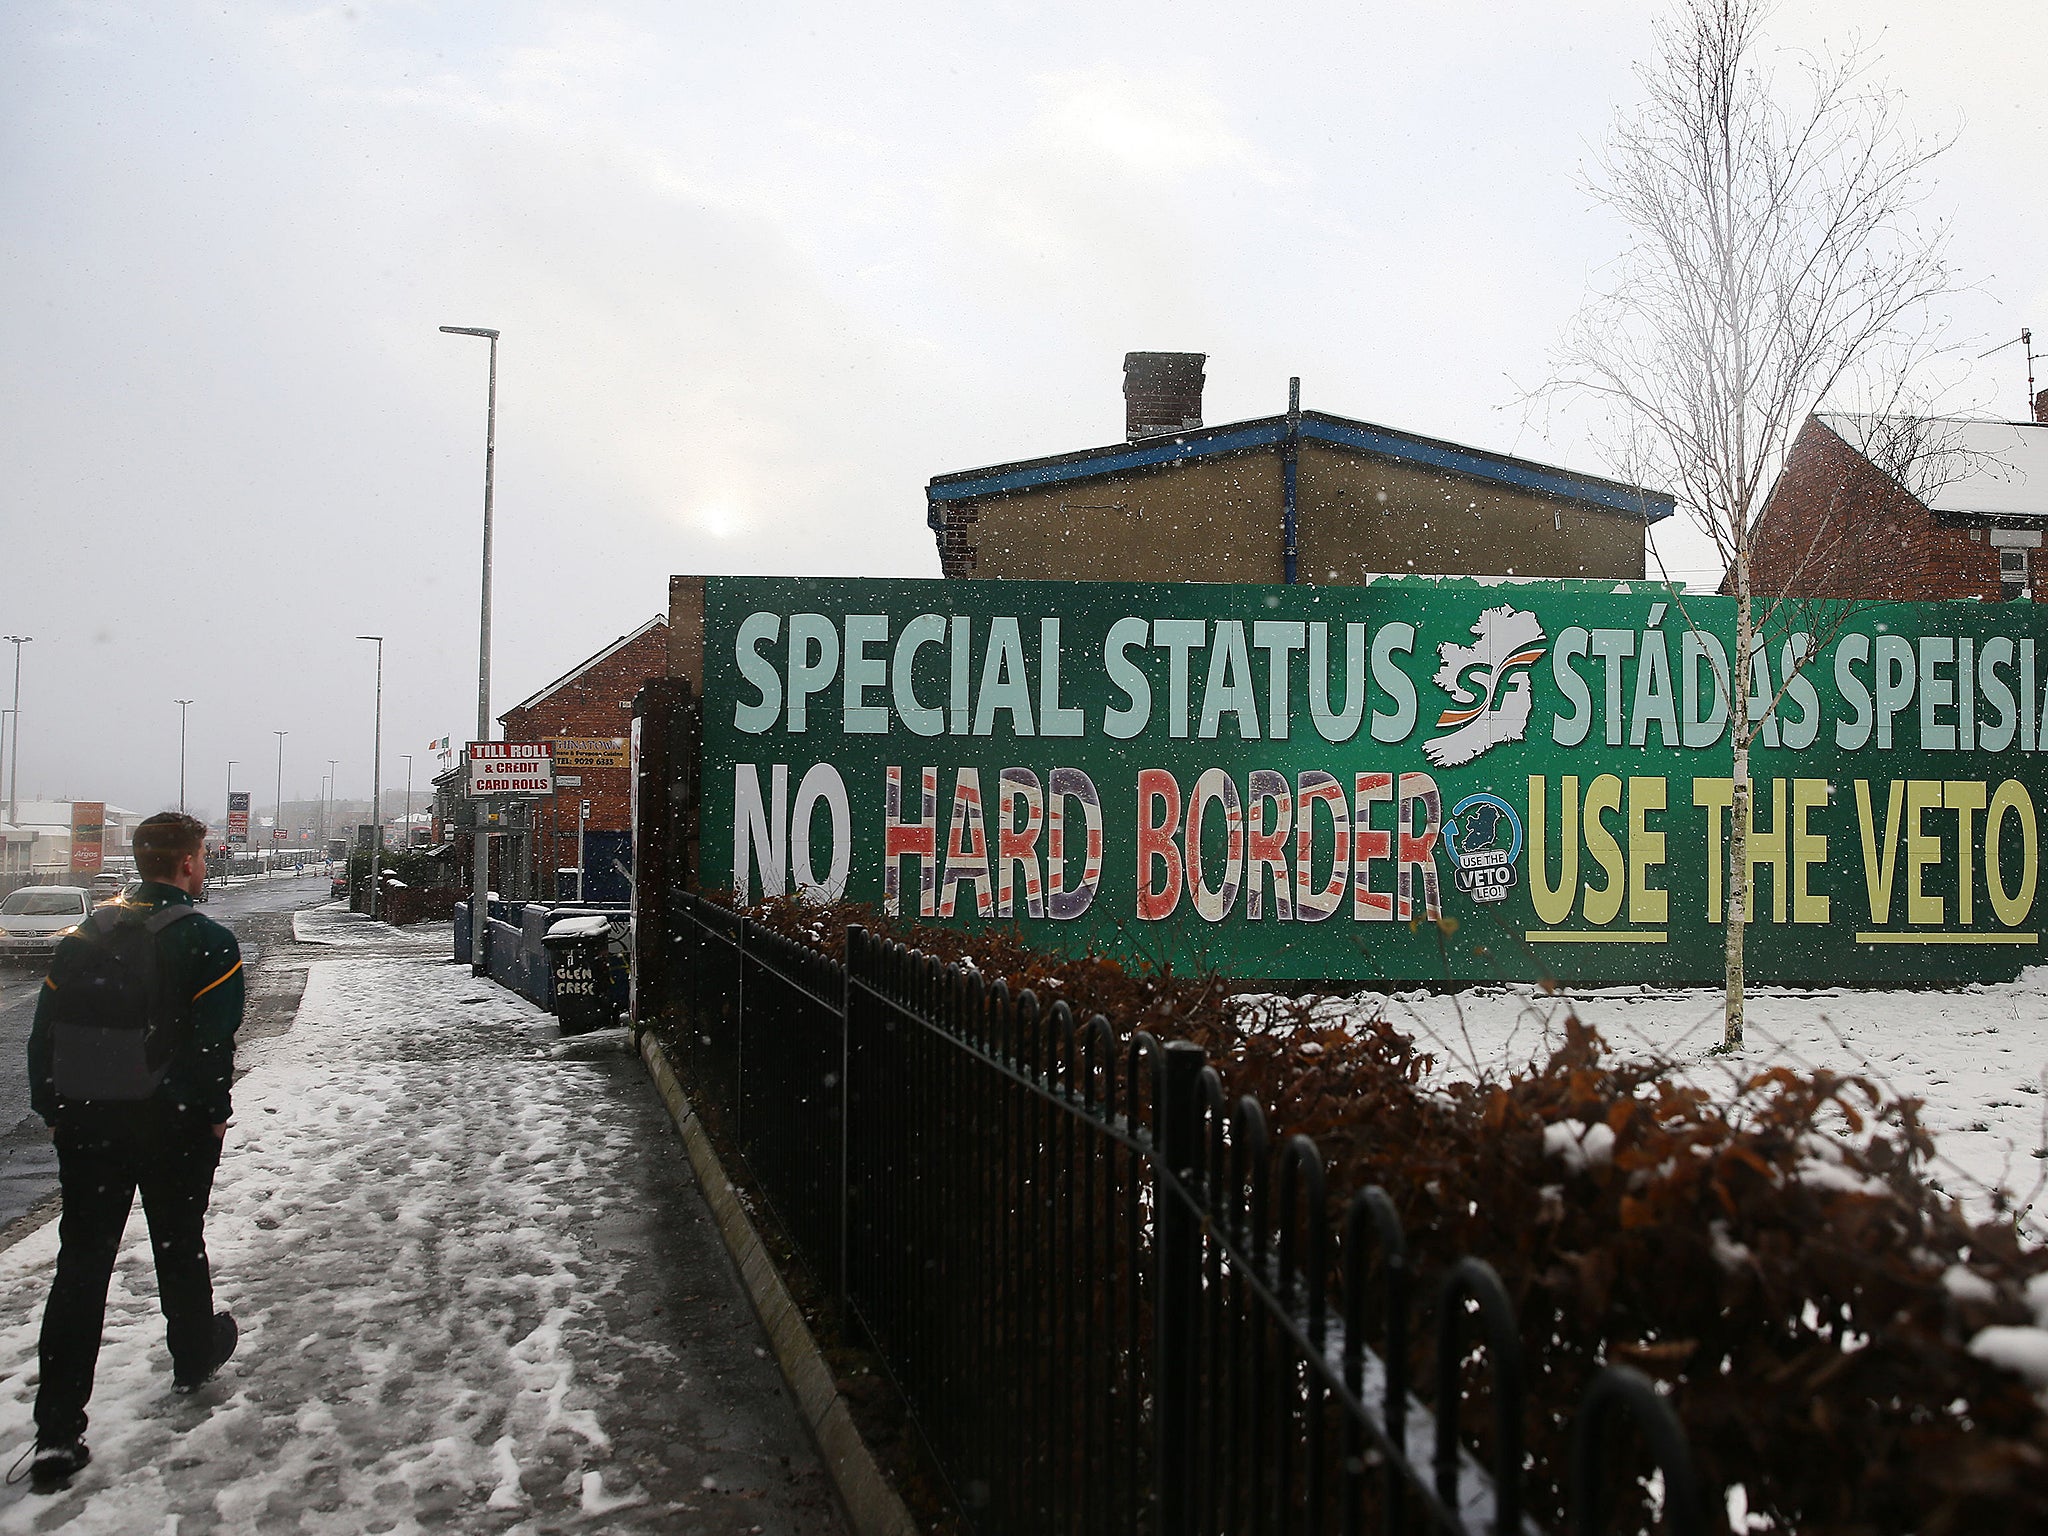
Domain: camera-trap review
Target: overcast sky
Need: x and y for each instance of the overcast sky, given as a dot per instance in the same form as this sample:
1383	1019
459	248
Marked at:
762	271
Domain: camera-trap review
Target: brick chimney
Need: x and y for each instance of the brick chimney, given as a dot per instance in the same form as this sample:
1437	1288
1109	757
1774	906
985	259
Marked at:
1162	392
2040	405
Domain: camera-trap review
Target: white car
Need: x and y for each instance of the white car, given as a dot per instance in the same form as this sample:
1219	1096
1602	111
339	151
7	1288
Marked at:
34	918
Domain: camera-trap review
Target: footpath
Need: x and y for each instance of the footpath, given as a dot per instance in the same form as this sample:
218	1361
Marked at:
478	1287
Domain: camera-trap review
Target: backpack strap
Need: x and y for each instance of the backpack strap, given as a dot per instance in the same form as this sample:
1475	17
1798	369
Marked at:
154	925
177	1025
106	919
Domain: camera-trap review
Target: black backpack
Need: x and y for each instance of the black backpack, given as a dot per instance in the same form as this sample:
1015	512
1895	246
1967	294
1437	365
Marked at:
114	1021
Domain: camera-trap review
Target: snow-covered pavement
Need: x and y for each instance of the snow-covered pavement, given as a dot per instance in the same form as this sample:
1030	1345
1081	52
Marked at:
478	1292
333	926
1975	1056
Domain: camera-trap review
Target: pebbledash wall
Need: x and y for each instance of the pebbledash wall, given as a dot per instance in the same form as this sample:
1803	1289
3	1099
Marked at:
1409	781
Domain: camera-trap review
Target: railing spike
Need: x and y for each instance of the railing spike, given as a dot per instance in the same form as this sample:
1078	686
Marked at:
1618	1390
1476	1279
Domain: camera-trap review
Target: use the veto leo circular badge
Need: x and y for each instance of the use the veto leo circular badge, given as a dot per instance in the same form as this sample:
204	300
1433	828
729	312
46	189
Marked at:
1484	836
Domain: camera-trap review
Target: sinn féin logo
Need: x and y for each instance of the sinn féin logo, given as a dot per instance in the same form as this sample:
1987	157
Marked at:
1485	838
1493	706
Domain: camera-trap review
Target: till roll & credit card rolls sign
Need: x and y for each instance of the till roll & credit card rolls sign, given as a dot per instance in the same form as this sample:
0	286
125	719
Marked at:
511	768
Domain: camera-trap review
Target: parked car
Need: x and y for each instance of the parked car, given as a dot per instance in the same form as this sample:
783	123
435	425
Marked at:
126	893
337	888
34	918
106	888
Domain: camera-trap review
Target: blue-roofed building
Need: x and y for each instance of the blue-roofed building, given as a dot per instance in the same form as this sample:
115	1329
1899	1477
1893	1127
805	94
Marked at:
1303	496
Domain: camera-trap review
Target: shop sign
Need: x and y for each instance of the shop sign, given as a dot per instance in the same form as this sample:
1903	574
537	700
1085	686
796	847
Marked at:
238	818
511	768
88	836
579	753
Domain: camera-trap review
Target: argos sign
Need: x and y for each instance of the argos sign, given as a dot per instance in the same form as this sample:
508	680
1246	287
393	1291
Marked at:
1413	780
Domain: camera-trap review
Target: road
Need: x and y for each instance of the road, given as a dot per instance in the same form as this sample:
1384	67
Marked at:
259	912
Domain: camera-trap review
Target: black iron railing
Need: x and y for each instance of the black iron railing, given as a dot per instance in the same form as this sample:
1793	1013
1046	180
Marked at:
1105	1295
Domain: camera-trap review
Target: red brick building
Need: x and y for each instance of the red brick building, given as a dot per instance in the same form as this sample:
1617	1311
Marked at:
588	713
1837	525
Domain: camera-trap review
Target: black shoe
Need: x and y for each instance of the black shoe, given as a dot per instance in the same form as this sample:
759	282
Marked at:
56	1464
225	1334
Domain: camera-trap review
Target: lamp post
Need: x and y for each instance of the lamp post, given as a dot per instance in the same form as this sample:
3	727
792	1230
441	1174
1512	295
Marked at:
582	844
377	784
326	812
181	703
408	802
277	816
14	745
479	902
227	810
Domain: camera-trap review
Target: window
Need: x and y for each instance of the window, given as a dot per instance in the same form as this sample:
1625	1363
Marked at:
30	902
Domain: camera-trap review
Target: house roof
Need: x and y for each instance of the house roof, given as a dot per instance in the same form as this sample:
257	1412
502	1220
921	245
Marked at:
1270	432
57	813
1999	468
585	665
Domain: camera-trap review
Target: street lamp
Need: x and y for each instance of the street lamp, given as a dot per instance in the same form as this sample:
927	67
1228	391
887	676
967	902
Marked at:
479	902
277	817
226	819
14	759
377	783
181	703
408	802
327	806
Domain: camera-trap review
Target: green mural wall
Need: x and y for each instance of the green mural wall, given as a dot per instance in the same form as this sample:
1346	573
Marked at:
1407	781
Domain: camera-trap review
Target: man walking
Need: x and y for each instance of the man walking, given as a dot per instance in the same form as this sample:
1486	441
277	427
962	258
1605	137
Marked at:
130	1061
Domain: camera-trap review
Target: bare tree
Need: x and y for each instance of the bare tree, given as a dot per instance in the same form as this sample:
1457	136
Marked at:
1776	262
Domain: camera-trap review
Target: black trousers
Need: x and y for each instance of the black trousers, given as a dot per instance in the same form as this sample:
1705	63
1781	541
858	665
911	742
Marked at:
105	1152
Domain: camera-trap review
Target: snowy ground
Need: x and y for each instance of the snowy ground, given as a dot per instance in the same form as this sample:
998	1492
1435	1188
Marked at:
253	877
468	1299
336	927
1976	1057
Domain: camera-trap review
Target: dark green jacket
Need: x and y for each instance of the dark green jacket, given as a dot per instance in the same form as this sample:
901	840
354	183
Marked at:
201	961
